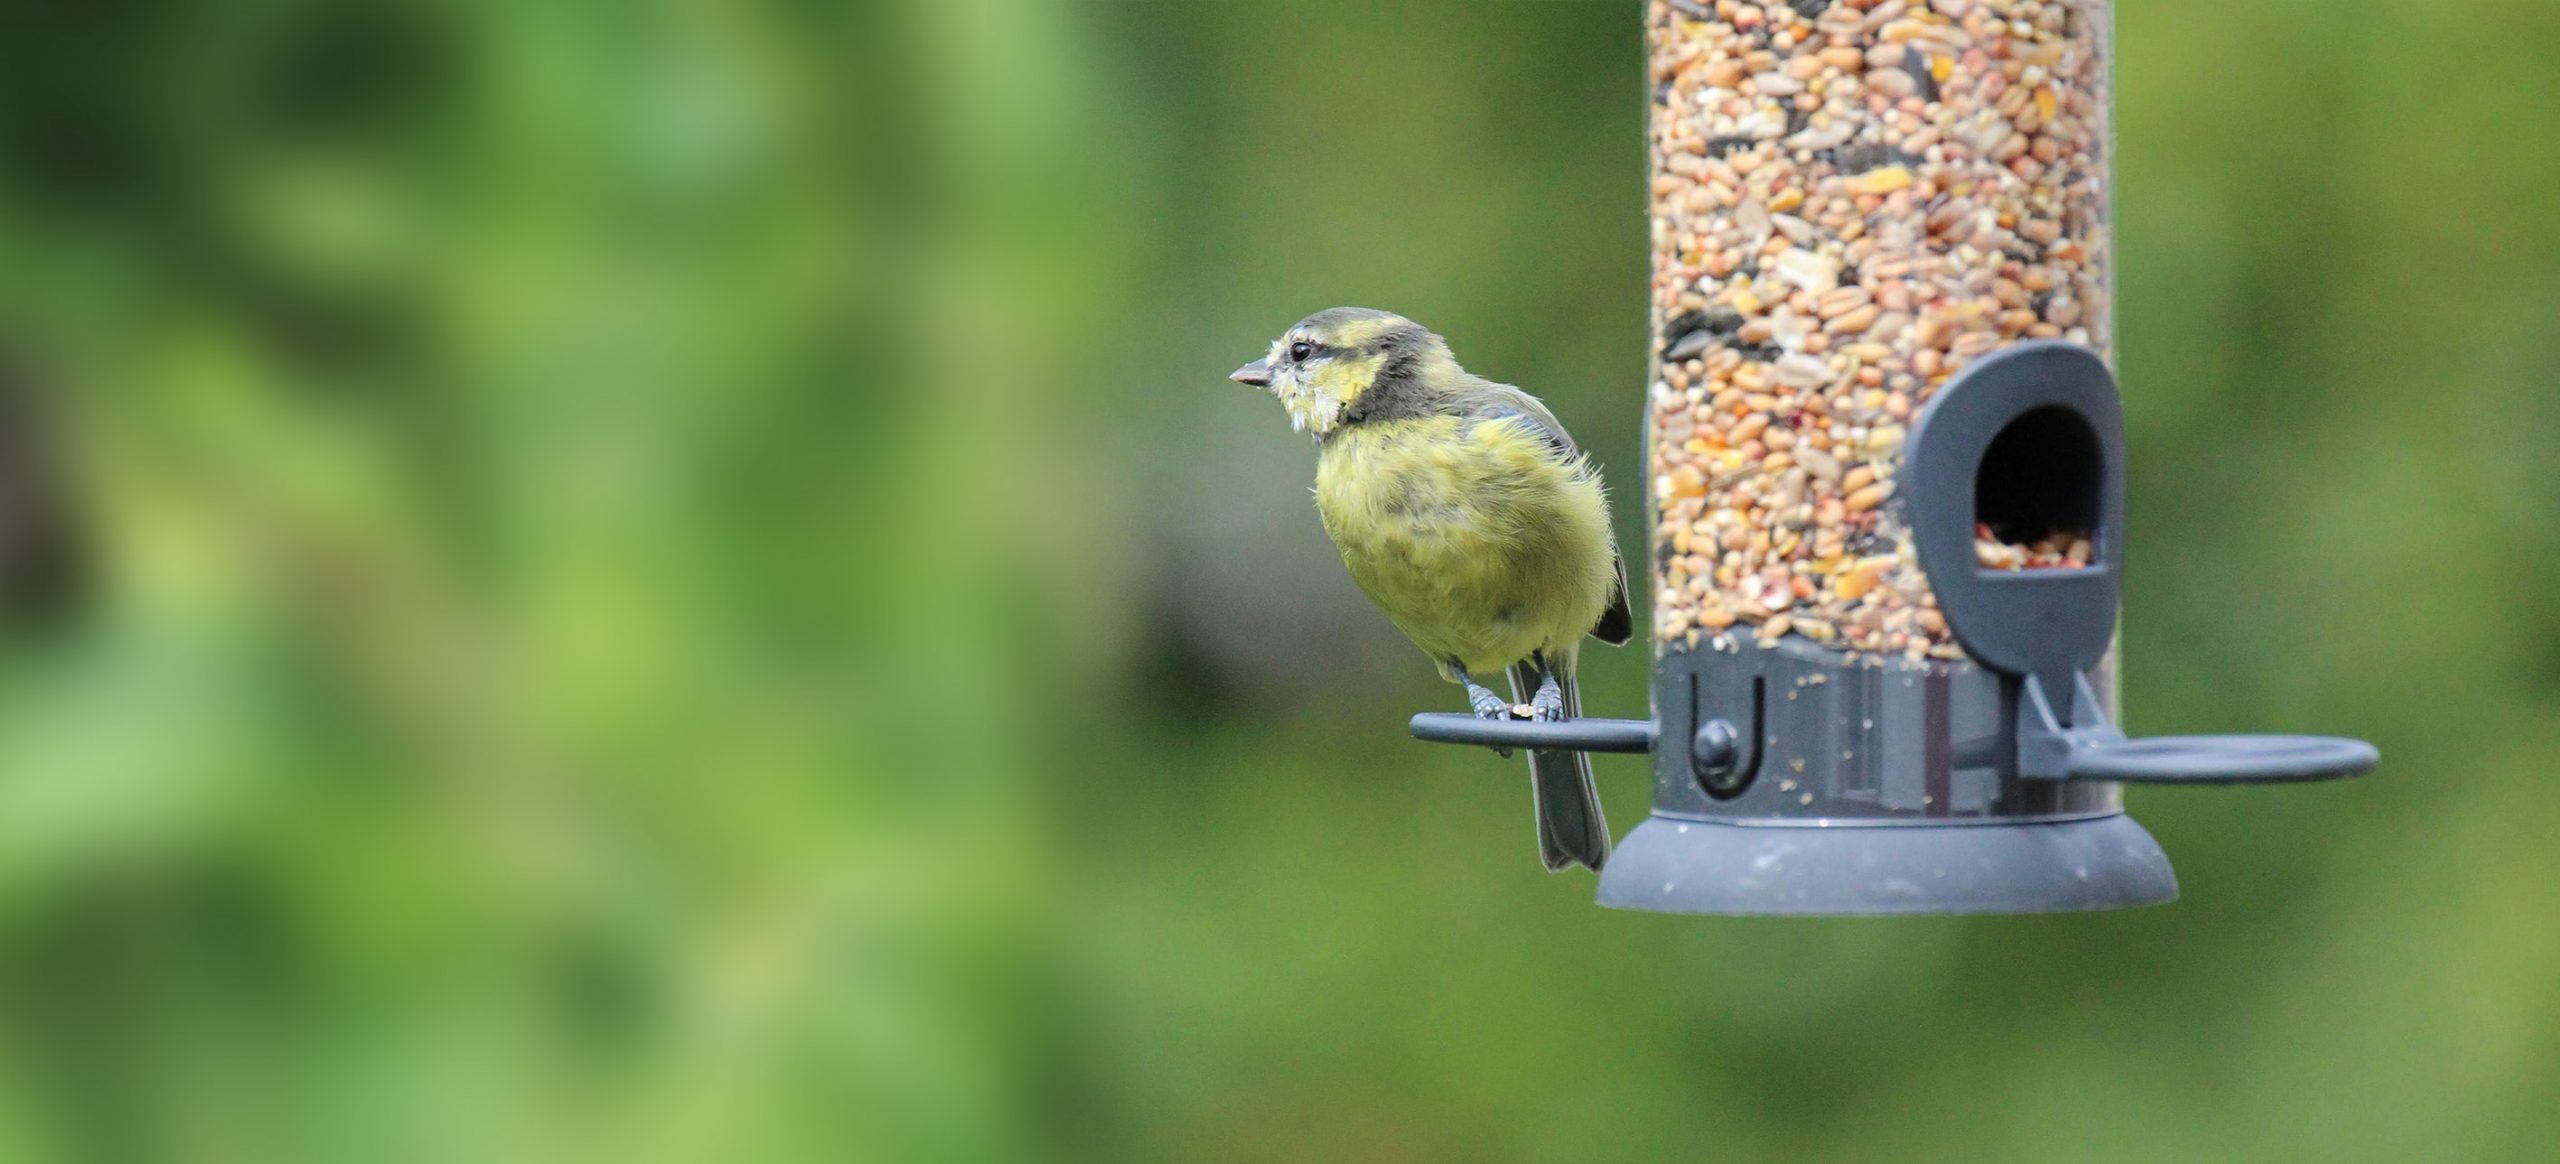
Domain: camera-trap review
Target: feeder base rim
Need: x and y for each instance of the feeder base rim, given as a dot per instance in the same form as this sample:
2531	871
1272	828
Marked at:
1883	822
1674	865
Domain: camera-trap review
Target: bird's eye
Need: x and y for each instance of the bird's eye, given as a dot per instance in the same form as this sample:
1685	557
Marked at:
1299	351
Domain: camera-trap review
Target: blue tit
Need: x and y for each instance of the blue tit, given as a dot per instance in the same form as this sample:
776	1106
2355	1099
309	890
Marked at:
1465	512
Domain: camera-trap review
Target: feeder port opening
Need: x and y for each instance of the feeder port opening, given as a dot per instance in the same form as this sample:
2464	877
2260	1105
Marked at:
2037	493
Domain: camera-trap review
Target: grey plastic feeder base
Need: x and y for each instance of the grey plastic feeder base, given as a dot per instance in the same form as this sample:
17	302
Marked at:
1672	865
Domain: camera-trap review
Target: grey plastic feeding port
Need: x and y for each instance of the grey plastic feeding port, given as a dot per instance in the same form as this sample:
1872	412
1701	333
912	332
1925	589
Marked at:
1796	779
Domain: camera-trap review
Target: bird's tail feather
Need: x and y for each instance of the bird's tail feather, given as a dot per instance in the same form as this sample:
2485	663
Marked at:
1571	829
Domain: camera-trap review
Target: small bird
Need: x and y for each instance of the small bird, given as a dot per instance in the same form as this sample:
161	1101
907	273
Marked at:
1465	512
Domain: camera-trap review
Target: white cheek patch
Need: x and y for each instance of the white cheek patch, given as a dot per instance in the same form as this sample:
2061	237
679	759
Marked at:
1308	406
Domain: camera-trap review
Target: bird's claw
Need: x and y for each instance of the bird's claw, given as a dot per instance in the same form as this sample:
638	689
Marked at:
1488	705
1547	706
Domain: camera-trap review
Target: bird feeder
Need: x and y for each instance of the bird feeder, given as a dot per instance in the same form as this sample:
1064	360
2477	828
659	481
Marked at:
1887	476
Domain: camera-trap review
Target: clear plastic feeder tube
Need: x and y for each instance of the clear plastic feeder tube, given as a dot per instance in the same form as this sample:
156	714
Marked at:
1851	202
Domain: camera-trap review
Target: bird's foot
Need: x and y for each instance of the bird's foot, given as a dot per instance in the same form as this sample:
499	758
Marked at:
1547	706
1485	704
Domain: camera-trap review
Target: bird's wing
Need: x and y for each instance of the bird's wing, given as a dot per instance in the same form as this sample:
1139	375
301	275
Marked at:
1618	623
1490	401
1496	401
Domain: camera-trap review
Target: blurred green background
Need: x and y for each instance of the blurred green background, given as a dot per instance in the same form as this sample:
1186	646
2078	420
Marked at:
679	581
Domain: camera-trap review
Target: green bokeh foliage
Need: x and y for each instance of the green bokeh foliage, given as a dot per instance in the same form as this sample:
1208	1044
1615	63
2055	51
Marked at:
682	581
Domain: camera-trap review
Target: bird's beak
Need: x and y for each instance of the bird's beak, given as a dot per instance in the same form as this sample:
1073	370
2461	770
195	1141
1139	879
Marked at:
1257	373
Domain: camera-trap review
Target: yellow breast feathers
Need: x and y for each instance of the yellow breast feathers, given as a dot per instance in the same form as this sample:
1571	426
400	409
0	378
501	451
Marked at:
1482	540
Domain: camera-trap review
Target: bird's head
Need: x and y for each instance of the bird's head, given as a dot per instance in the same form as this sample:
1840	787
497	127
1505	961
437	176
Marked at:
1322	367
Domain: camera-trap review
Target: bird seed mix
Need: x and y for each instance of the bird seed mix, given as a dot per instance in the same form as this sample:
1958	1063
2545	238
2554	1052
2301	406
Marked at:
1851	200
